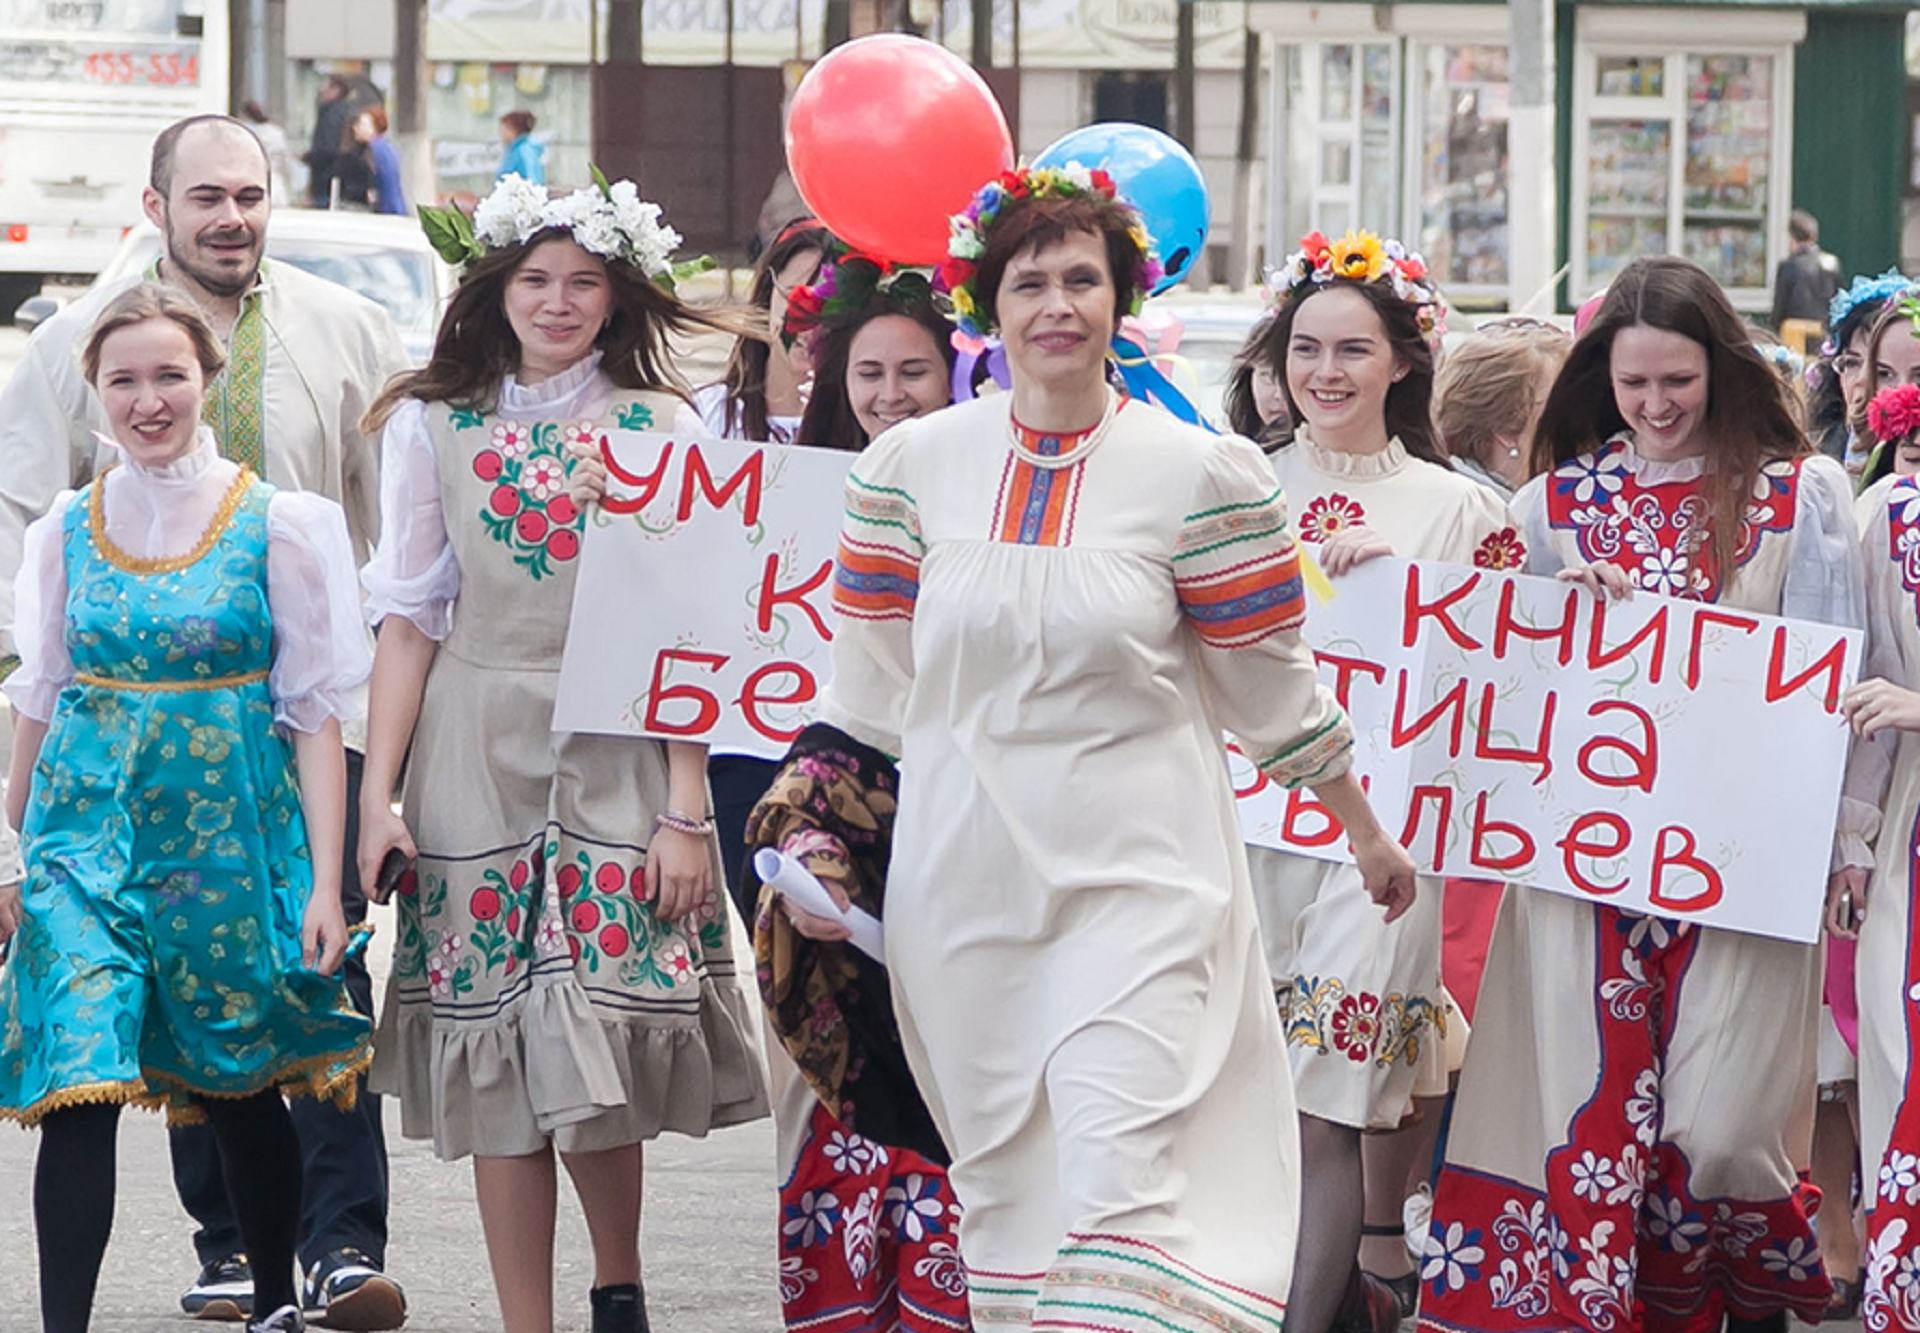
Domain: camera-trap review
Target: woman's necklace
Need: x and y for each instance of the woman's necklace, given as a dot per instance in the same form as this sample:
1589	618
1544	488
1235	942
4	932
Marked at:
1081	446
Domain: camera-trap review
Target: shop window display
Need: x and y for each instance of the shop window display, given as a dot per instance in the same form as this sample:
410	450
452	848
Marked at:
1463	164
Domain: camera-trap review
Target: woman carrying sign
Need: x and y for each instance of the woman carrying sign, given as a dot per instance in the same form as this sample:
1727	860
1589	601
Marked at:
563	978
1885	773
1352	344
1639	1091
882	1254
1050	600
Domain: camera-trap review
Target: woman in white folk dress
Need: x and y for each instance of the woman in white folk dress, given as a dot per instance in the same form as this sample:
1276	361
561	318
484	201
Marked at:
1638	1098
1050	601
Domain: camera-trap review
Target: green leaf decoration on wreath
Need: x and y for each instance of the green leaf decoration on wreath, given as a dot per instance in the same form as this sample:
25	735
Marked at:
450	233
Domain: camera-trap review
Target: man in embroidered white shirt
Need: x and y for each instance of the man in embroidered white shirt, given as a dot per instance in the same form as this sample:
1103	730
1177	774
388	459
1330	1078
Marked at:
305	358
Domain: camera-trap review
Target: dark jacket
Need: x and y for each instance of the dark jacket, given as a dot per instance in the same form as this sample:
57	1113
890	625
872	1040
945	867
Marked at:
1804	285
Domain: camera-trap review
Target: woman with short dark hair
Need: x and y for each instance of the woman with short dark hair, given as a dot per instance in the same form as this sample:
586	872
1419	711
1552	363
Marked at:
1049	602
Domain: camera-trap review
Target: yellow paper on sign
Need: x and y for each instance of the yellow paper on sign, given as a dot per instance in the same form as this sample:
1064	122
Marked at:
1317	581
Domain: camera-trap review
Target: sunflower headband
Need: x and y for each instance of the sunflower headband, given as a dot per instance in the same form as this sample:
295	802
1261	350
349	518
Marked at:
608	219
1361	257
850	287
968	239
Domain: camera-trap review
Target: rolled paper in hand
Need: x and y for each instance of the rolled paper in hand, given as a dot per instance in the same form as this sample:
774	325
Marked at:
796	882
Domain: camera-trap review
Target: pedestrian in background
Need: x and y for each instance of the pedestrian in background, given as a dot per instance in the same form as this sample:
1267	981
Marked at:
305	358
273	138
1488	395
521	157
388	194
332	116
1806	281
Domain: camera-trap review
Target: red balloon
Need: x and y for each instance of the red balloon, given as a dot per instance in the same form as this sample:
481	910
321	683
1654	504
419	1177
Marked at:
890	135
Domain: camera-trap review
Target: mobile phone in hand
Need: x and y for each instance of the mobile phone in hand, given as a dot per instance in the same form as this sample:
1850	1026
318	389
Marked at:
393	867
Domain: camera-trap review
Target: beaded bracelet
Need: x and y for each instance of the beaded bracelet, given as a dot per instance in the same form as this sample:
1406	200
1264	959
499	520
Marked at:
679	823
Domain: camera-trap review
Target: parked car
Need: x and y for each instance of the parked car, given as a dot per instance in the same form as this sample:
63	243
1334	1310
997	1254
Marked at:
386	259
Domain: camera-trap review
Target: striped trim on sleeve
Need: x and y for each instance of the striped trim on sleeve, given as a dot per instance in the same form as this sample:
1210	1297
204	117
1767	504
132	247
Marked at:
877	574
1237	573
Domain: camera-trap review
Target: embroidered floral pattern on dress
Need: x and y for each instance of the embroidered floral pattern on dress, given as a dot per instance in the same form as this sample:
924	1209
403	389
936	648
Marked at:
1658	533
1320	1013
1326	515
1891	1300
1501	550
868	1237
529	510
1620	1238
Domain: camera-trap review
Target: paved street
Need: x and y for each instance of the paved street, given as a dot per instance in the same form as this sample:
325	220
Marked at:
708	1246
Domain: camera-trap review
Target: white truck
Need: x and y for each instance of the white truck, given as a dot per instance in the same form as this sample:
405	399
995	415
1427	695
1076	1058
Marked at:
84	87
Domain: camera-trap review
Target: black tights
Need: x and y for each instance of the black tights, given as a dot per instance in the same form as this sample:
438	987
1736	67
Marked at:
73	1183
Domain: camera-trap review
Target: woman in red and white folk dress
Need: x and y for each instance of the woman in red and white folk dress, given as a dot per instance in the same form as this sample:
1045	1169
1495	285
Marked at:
1885	775
1639	1092
1360	995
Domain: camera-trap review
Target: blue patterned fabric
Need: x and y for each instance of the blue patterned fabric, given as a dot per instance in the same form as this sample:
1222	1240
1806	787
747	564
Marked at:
167	863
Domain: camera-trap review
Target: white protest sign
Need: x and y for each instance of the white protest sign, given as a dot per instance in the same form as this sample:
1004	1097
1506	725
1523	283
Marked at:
1662	756
702	605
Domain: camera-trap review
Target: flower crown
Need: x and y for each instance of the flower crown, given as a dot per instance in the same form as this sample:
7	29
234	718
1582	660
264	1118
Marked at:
848	287
968	239
1361	257
1894	414
1862	291
607	219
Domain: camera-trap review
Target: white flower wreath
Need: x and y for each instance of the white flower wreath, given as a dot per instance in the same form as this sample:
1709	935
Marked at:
606	219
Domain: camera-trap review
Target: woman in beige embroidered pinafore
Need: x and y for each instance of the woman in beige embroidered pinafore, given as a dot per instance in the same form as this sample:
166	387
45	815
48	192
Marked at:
563	977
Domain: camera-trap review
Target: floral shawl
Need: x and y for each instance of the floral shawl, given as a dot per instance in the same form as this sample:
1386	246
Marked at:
830	1004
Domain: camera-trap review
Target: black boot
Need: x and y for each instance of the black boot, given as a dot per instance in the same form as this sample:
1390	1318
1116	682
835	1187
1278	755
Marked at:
619	1309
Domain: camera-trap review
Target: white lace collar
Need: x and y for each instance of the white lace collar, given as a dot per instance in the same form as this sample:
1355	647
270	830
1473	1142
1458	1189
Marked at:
184	470
552	394
1334	463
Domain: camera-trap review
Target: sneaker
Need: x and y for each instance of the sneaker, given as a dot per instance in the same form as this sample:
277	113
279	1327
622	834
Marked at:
287	1319
347	1290
224	1290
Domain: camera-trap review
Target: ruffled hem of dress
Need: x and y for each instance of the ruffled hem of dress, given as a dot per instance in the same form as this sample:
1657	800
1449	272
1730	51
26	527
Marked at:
334	1077
552	1067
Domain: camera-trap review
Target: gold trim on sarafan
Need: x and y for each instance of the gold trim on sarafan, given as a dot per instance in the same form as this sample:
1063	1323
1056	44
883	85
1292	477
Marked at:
170	686
217	525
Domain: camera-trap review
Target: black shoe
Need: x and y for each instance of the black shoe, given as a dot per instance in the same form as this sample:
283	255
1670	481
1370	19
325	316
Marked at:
347	1290
224	1290
619	1309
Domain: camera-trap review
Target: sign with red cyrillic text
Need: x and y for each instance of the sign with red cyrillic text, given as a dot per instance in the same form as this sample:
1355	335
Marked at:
702	609
1662	756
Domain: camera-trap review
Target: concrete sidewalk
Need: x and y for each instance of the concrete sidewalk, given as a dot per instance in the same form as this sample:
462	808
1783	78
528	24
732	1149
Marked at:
708	1246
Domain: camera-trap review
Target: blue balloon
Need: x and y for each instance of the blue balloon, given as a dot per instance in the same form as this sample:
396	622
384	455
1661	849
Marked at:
1154	174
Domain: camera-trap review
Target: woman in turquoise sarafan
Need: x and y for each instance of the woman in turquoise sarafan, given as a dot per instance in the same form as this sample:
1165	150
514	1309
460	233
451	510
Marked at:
187	634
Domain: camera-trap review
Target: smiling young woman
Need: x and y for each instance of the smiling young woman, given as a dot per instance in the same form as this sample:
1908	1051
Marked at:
564	983
189	646
1351	342
1659	1139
